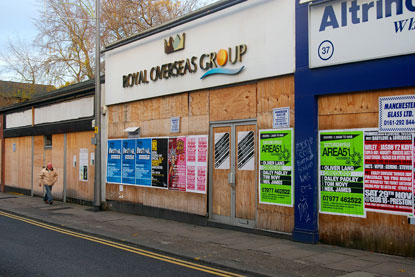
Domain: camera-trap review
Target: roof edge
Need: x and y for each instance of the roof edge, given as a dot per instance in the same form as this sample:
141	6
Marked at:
67	91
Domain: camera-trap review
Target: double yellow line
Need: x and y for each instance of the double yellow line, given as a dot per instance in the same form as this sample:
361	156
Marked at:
124	247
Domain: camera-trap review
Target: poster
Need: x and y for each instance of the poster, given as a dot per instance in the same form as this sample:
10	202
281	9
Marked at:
181	163
413	176
172	156
128	161
196	163
114	161
159	162
281	118
246	147
143	162
222	159
341	172
396	113
276	167
83	164
177	164
388	172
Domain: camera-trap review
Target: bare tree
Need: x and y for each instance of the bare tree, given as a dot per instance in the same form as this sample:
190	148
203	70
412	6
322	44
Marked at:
21	60
66	38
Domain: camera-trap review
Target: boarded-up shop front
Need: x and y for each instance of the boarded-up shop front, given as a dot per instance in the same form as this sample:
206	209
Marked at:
56	128
359	122
189	107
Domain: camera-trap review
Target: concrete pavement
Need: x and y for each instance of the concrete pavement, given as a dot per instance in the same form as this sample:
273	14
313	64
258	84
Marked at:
253	254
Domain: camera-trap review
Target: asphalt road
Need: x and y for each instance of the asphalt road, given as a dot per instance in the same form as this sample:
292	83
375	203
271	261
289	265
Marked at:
30	250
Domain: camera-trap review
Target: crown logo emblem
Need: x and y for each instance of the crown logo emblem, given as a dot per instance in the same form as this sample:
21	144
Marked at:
174	44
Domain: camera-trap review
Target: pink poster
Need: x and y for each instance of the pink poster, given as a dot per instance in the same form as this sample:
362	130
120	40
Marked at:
191	180
201	178
197	155
191	149
202	146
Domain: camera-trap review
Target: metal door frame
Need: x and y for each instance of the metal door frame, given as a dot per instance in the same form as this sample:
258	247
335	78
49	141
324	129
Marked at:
232	219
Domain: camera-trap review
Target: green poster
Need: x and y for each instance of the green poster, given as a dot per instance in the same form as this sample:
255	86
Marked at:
276	167
341	173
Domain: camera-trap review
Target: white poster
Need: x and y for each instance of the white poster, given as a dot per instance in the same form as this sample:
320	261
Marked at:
246	149
83	164
222	151
350	31
397	113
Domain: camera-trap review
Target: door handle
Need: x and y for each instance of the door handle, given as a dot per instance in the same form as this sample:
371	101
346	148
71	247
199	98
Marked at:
231	178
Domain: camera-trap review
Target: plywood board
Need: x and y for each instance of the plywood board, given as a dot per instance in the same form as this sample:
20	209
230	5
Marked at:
246	185
221	189
378	232
230	103
199	103
275	218
198	125
348	121
18	171
275	93
74	187
57	161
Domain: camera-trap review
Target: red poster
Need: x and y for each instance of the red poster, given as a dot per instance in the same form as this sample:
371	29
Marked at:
172	156
388	172
177	164
181	163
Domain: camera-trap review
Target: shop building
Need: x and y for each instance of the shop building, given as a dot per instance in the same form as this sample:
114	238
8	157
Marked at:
52	127
354	91
208	82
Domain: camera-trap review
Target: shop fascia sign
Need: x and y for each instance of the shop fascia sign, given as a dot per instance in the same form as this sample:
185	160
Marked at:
350	31
209	63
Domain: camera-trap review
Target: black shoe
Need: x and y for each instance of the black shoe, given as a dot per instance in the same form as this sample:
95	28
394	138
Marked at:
51	202
46	201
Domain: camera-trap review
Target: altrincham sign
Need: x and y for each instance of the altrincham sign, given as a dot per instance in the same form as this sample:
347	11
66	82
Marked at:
211	63
344	31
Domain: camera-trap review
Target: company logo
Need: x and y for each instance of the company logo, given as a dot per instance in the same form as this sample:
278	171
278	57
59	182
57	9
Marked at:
212	63
174	44
221	58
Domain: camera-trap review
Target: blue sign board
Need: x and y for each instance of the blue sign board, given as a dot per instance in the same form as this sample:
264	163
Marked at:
143	162
128	161
114	161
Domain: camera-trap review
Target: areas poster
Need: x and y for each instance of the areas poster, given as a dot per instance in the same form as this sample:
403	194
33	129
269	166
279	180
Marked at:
341	172
276	167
